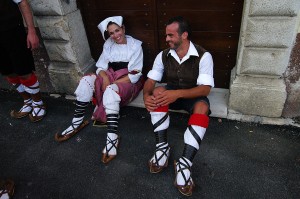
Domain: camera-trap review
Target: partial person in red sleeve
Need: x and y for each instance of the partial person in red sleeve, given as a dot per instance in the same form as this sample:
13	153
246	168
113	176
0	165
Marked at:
17	63
188	70
118	81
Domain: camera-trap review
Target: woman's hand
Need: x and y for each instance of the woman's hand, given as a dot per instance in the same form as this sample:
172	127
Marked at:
105	83
105	78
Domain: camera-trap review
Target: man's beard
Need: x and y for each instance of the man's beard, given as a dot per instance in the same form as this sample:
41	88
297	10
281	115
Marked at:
175	45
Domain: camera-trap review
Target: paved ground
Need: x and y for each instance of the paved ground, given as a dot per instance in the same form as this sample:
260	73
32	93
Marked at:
236	160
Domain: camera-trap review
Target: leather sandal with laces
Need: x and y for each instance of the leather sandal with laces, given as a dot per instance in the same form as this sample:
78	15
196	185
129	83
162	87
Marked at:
60	138
154	166
187	188
20	114
114	144
7	187
37	118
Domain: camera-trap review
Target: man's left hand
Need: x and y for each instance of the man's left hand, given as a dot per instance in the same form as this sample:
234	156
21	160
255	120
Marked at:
166	97
32	40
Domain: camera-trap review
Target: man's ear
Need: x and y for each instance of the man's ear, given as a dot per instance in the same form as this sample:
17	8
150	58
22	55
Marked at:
185	35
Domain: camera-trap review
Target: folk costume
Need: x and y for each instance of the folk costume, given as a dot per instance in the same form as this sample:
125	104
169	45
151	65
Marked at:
117	60
17	61
195	68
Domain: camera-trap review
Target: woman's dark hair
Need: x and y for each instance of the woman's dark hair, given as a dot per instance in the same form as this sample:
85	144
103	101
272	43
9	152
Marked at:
106	35
184	25
110	23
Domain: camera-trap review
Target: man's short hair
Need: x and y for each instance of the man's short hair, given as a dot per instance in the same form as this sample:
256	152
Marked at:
184	25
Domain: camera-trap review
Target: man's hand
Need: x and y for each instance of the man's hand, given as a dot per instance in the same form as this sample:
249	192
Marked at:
149	101
32	40
166	97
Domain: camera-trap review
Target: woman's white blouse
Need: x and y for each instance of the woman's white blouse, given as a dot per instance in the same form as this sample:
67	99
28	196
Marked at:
17	1
131	52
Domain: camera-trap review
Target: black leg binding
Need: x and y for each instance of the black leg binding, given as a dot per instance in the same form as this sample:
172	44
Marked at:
80	109
159	122
112	123
162	146
189	151
161	136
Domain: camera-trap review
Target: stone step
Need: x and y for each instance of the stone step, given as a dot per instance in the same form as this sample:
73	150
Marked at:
218	98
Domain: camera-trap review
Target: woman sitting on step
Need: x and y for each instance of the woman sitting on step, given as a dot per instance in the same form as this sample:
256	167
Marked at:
118	81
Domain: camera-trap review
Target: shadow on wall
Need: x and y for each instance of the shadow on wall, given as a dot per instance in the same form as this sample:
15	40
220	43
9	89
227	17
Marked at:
292	80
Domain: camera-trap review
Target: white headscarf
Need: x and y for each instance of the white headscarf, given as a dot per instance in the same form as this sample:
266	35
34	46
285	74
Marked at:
103	24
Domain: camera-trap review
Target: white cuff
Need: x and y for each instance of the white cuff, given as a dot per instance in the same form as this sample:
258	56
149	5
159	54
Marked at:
152	74
205	79
134	77
98	71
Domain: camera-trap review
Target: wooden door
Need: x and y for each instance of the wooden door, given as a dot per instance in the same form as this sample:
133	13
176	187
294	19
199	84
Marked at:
215	25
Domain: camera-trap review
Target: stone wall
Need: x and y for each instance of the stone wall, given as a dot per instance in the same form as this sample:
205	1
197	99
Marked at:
64	37
265	81
267	37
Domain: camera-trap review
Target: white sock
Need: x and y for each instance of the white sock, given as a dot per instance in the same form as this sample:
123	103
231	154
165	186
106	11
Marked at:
187	172
36	110
4	196
76	121
26	108
113	150
164	158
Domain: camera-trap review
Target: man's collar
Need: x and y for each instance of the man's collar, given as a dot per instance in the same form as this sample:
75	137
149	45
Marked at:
191	52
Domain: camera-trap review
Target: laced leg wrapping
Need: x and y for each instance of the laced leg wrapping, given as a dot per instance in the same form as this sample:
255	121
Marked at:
78	117
24	110
38	108
112	135
111	144
75	124
184	167
162	151
192	138
190	151
162	146
113	140
27	106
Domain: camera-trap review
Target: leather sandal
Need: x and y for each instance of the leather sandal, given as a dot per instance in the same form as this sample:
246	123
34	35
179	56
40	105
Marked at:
106	158
187	188
60	138
20	114
7	187
154	166
37	118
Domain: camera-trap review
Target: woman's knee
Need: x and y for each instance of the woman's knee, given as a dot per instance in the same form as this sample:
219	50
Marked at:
85	89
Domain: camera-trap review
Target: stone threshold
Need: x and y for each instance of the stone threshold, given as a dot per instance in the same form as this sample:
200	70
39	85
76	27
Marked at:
218	98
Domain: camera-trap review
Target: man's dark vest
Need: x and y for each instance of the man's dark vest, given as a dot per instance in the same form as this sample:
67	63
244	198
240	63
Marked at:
183	75
10	15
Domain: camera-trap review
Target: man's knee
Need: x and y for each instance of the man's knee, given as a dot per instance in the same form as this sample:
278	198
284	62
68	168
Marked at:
158	90
201	107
